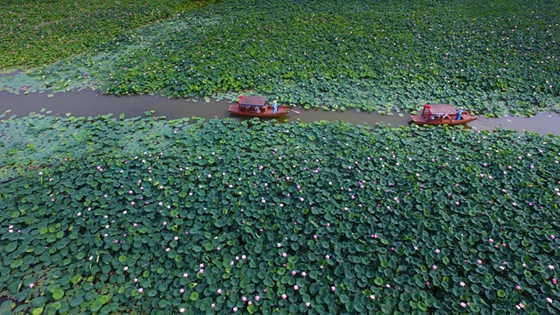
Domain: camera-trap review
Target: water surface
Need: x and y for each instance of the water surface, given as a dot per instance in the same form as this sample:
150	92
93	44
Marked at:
90	103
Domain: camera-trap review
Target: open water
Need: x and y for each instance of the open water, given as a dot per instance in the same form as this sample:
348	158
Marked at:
90	103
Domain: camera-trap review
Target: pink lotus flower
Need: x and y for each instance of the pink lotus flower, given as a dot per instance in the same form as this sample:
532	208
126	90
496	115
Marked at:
219	291
554	280
140	290
296	287
182	310
244	299
333	288
257	298
31	285
434	267
284	296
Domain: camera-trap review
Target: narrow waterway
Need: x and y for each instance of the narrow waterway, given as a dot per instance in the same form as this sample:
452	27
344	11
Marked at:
90	103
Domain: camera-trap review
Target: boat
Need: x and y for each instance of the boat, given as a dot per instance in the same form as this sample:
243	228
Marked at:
442	114
255	106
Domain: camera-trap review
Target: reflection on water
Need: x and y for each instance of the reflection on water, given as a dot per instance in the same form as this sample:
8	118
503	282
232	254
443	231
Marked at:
89	103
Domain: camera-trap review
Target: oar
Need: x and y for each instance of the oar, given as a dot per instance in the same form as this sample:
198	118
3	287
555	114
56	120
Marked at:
295	111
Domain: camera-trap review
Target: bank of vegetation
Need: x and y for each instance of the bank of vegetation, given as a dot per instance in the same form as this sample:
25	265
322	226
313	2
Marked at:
147	216
491	57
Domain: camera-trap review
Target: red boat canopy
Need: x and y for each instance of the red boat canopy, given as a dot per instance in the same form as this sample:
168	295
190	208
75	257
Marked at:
252	101
439	109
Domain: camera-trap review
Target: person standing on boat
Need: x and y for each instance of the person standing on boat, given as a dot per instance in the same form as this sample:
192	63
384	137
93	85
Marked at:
459	112
274	107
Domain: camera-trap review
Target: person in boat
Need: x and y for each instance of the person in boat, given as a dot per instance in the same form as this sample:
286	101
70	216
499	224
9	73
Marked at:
257	110
459	112
428	117
444	116
274	107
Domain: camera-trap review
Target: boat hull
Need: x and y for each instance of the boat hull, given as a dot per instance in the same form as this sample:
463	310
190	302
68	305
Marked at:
282	110
466	118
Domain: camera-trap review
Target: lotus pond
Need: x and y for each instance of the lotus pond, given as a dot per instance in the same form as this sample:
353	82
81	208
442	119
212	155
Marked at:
495	58
146	216
36	33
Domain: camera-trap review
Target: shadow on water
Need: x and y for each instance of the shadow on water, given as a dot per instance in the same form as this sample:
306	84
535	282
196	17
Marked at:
90	103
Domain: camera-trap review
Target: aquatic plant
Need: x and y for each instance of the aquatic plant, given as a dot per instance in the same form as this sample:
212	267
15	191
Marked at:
41	32
143	215
493	58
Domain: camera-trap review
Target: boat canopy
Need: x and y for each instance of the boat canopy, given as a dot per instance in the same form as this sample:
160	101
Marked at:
438	109
252	101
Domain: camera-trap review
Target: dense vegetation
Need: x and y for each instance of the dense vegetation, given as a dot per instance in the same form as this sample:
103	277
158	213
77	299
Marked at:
40	32
492	57
148	216
142	216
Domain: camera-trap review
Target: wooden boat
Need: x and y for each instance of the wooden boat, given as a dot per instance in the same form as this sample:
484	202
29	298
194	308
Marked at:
255	106
441	114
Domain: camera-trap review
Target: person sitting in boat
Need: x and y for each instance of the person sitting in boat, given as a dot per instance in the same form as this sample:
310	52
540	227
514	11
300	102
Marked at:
257	110
274	107
459	112
444	116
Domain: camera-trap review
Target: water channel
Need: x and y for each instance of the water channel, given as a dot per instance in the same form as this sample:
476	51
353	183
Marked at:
90	103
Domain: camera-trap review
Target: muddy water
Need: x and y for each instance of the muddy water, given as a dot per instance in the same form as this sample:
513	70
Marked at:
89	103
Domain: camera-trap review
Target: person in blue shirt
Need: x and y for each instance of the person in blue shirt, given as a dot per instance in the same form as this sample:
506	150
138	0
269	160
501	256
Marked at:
274	107
459	112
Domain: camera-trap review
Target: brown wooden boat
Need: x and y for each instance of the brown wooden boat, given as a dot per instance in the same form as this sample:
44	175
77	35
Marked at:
442	114
255	106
